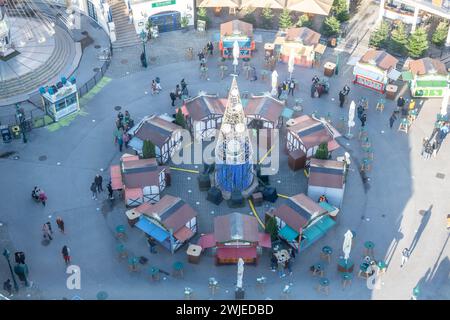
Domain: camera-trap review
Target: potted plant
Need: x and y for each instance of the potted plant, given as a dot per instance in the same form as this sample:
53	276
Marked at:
184	23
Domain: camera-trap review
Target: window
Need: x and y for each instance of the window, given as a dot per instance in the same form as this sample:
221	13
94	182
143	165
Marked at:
92	11
60	105
72	99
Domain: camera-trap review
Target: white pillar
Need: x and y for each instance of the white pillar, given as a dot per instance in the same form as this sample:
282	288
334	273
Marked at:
381	11
447	42
416	15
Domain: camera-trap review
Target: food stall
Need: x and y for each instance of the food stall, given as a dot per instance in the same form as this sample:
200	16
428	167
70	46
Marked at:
239	31
427	78
304	42
374	69
61	99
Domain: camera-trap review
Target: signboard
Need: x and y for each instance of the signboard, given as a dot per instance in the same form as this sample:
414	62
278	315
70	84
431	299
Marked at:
428	92
163	3
369	83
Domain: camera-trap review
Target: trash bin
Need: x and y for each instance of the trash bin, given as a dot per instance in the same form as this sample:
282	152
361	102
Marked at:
15	132
6	134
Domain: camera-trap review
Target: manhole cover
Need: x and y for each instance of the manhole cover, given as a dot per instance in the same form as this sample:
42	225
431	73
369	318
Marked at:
124	61
84	33
96	69
117	108
97	46
42	158
440	175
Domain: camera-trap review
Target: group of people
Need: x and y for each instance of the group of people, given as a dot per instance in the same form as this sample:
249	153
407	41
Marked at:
319	87
156	86
97	187
286	86
207	50
123	124
47	230
39	195
180	91
431	146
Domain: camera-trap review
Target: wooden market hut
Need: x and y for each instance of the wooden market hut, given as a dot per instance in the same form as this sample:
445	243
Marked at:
327	177
301	221
427	78
235	236
307	133
374	70
304	42
171	221
161	131
265	108
240	31
141	180
204	114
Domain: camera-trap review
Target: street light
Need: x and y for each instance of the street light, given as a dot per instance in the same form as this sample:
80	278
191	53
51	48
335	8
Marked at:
6	254
143	55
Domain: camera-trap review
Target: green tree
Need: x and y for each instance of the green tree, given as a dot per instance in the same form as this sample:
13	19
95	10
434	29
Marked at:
202	14
379	37
331	26
340	10
179	119
285	20
271	228
148	150
417	44
399	39
267	18
304	21
440	34
322	151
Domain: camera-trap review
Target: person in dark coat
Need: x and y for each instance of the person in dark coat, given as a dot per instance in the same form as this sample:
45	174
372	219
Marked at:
341	99
99	182
346	90
66	254
280	91
392	119
400	102
94	190
173	97
291	87
363	120
110	191
360	111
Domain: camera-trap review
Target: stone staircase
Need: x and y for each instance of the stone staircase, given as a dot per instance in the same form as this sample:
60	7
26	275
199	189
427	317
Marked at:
125	33
62	55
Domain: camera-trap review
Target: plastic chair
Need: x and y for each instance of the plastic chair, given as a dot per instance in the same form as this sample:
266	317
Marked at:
120	232
154	273
121	251
324	286
326	253
317	269
368	248
178	269
346	279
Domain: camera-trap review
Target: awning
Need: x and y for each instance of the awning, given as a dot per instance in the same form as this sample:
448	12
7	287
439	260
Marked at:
151	229
183	234
264	240
407	75
235	253
318	229
320	7
273	4
116	177
207	241
394	74
333	145
218	4
288	233
330	209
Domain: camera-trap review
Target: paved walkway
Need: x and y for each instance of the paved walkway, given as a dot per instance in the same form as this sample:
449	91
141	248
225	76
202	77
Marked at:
386	211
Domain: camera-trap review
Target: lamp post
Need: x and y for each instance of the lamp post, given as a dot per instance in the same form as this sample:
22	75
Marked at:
144	54
6	254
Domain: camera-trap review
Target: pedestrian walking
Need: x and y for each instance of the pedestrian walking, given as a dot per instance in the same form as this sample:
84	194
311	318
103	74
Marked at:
428	150
210	47
8	287
363	120
405	256
392	119
46	232
60	224
280	91
341	98
42	197
360	111
346	90
94	190
126	139
153	87
110	191
291	88
400	102
120	142
200	56
66	254
173	97
99	182
178	91
49	225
